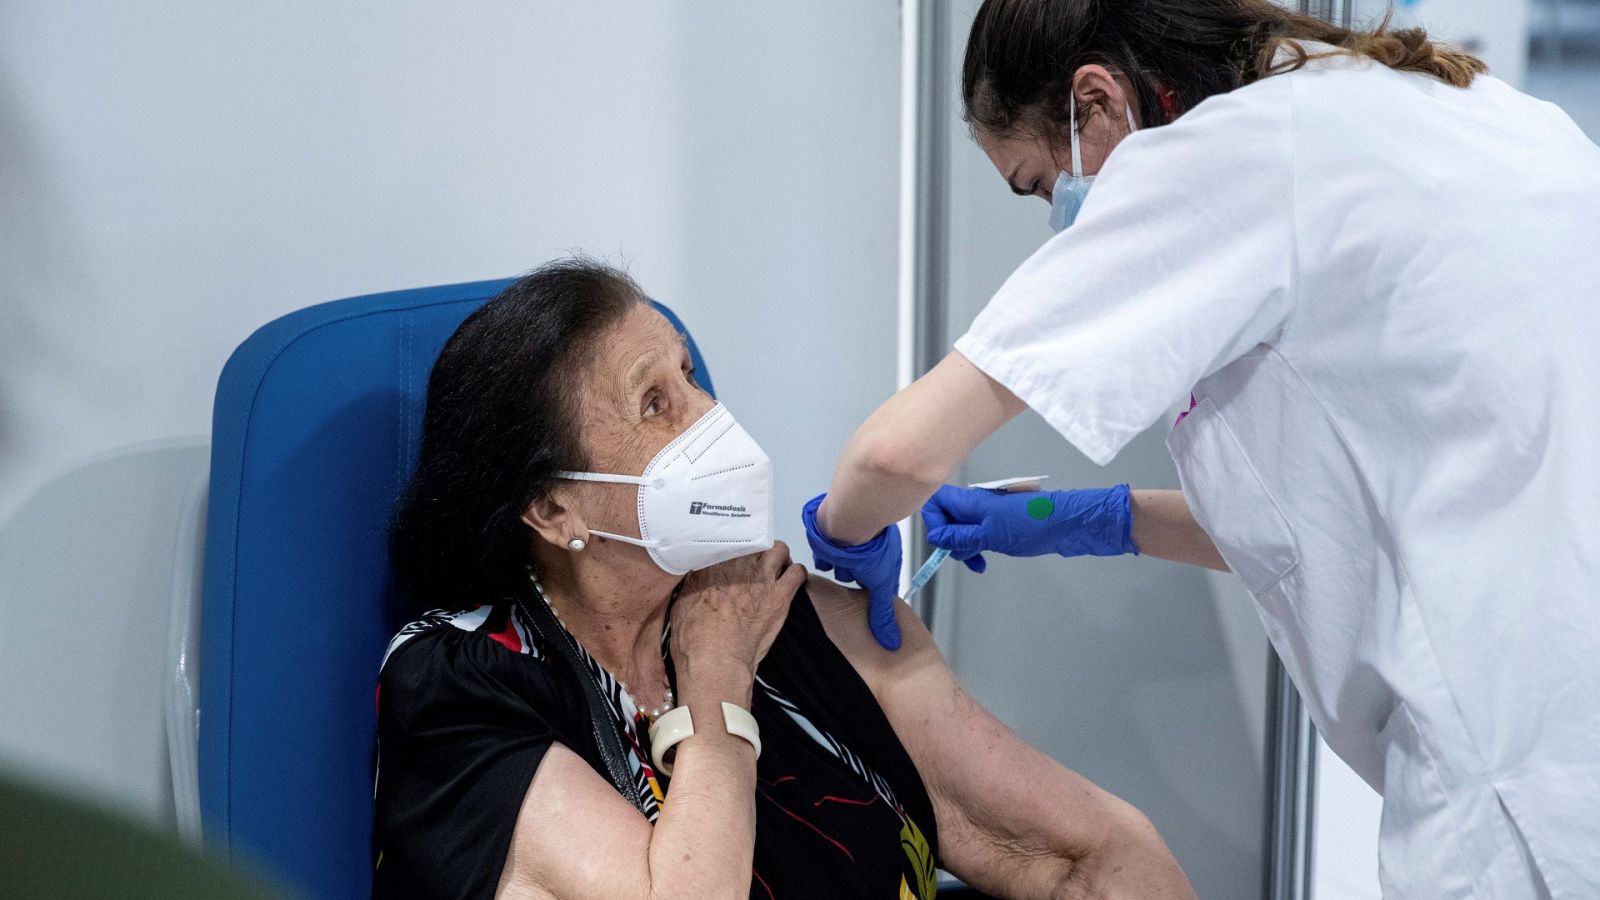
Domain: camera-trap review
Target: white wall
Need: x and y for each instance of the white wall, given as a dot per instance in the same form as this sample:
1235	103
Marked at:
175	173
1495	30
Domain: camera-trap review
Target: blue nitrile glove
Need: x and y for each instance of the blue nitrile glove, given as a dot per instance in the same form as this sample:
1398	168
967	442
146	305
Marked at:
874	565
968	521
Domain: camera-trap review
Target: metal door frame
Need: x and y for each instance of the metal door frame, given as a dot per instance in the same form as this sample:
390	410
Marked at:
925	80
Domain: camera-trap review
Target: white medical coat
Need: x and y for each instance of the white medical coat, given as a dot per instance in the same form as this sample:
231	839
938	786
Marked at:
1384	293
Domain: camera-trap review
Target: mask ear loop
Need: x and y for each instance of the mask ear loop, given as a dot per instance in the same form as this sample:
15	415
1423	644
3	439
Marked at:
1072	118
1077	149
648	545
1167	100
657	483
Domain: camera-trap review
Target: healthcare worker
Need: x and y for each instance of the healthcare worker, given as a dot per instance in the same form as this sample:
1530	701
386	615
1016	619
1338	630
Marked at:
1371	273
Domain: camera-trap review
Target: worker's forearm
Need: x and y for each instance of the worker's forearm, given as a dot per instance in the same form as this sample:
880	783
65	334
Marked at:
874	484
1164	527
906	450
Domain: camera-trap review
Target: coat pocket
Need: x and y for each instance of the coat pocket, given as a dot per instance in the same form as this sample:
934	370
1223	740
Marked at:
1230	500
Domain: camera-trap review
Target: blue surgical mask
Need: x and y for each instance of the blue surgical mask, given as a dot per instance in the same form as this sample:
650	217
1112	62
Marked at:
1067	197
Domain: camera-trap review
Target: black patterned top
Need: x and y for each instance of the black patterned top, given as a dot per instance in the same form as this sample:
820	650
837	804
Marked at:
469	702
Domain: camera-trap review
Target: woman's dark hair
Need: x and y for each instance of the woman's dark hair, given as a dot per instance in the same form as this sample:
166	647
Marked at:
1022	54
501	420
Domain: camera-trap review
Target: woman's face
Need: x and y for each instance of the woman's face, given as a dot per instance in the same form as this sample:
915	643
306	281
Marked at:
1030	163
637	394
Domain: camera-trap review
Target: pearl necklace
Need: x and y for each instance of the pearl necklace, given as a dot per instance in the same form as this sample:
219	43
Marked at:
652	713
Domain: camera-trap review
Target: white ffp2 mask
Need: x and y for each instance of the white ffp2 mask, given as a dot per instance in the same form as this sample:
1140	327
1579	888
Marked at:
705	498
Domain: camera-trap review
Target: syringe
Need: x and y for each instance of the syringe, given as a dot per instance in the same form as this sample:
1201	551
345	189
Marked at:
925	574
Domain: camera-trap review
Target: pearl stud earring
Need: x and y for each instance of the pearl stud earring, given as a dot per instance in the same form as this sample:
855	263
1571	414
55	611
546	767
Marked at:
576	545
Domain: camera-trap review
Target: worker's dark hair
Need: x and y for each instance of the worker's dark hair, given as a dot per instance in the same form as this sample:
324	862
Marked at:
501	420
1022	54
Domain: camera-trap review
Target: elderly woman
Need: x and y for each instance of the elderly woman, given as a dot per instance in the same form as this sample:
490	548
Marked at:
524	736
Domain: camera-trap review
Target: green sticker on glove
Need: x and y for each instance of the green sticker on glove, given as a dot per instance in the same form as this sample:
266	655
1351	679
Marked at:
1041	507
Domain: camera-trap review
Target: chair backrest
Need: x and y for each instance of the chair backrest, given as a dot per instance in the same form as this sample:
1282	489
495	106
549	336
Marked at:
317	420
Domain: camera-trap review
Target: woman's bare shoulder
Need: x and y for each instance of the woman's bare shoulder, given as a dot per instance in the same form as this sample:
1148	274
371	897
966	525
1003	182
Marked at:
834	602
843	612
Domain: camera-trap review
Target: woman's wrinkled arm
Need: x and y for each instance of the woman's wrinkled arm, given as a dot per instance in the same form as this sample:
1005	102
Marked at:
1012	821
577	837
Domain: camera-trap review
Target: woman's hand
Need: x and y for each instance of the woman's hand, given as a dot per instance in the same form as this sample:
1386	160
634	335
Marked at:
733	611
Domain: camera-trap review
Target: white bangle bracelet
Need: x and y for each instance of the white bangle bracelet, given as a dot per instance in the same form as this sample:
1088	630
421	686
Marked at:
667	732
676	725
738	721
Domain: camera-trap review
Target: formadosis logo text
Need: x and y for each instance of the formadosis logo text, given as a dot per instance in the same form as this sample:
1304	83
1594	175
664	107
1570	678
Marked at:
702	508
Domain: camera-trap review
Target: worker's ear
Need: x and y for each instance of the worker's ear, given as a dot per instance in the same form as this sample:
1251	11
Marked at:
554	516
1099	92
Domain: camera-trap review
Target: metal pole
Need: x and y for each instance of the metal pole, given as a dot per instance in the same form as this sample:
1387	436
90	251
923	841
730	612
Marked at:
1555	32
927	87
1324	9
1291	784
